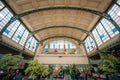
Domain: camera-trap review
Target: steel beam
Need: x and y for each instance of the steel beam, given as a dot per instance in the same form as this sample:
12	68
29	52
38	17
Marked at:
64	8
49	27
61	37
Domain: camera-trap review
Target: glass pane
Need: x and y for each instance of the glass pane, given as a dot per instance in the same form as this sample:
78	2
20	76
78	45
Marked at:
103	35
86	45
114	12
96	36
28	43
17	36
11	29
24	37
5	16
109	27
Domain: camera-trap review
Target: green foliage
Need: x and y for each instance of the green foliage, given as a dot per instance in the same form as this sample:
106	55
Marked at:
117	66
50	70
10	62
74	71
66	70
108	64
35	68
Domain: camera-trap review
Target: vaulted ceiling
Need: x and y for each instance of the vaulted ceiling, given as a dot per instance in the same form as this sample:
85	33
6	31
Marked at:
59	17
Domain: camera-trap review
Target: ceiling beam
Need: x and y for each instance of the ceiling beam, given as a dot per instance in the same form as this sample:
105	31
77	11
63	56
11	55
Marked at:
102	14
50	27
78	40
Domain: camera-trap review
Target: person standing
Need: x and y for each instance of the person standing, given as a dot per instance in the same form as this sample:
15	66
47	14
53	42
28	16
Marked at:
18	76
86	76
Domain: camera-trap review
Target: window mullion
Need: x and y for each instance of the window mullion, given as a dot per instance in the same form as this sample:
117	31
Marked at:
15	30
106	30
21	36
99	35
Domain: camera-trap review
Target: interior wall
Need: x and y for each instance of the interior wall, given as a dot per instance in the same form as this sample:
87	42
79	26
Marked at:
62	59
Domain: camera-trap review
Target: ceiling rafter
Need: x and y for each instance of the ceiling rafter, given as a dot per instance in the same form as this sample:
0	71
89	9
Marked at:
49	27
61	37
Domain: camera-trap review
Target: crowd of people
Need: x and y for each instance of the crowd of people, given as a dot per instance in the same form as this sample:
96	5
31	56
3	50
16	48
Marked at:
16	75
19	75
79	76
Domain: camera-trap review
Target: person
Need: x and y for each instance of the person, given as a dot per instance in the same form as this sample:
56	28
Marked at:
78	76
85	75
1	74
51	78
67	77
40	77
18	75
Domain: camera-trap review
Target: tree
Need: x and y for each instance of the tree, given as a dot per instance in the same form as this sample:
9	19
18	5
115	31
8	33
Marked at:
9	63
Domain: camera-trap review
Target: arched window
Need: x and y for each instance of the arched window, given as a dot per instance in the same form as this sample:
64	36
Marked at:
60	47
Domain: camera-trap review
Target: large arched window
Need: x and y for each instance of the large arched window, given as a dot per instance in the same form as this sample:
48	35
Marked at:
16	31
105	30
60	47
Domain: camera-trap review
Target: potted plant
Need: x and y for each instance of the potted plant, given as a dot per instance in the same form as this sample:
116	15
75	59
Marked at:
9	63
108	65
74	71
50	71
66	71
36	69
